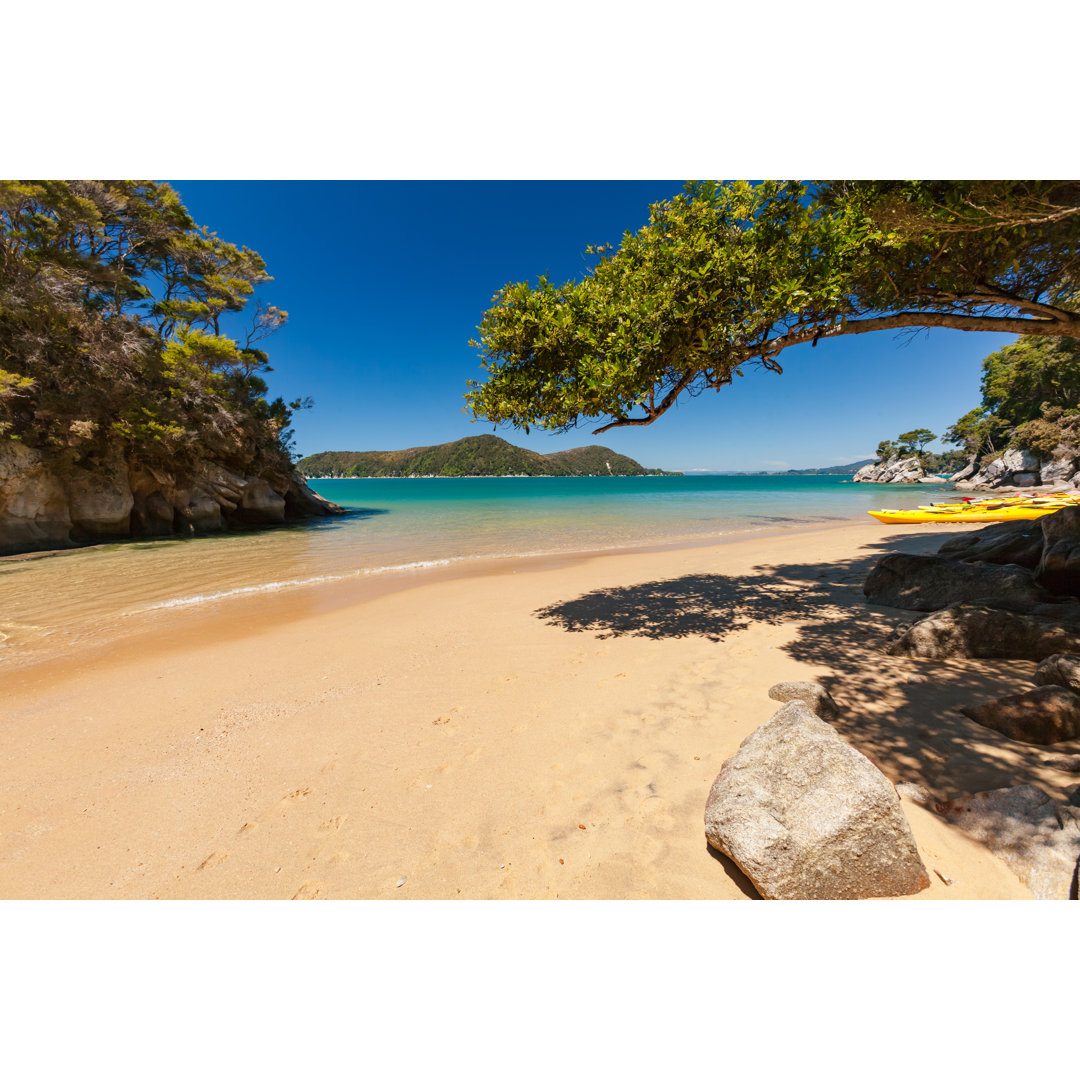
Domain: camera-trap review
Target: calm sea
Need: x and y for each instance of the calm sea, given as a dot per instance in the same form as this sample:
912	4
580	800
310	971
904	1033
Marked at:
408	527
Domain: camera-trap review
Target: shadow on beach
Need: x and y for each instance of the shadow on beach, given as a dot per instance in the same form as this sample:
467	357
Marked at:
901	712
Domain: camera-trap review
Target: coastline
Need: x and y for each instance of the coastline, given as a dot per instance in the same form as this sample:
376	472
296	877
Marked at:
324	742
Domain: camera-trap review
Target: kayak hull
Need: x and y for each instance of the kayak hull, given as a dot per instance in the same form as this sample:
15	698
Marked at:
1004	513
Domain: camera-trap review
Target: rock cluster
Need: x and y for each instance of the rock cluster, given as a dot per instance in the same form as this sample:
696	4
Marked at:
895	470
43	507
1019	468
1010	591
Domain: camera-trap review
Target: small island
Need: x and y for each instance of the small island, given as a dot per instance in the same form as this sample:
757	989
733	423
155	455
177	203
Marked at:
475	455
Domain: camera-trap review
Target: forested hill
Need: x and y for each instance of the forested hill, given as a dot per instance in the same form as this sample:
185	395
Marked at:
476	455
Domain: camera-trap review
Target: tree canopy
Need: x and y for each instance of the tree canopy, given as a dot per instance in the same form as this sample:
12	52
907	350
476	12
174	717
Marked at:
726	276
111	308
1028	388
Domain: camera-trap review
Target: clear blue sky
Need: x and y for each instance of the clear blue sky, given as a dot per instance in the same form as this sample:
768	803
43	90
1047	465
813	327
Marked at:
386	281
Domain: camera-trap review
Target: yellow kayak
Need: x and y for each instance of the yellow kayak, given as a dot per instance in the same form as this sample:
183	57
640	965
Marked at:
964	513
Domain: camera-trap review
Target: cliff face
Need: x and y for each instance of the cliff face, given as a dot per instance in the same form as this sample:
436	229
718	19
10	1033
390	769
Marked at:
42	507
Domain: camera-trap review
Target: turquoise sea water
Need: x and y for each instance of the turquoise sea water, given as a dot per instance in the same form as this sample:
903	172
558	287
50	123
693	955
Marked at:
406	527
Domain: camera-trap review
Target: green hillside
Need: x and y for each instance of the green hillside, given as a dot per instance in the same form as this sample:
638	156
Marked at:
476	455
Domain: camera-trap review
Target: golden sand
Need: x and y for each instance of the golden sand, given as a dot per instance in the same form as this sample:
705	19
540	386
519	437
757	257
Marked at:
547	728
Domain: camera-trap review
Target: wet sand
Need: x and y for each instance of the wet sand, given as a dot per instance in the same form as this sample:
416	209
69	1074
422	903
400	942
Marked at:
540	729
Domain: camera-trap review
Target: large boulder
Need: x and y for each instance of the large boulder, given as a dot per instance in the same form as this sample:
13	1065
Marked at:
1037	837
984	632
1059	567
807	817
33	504
1044	715
1017	542
930	582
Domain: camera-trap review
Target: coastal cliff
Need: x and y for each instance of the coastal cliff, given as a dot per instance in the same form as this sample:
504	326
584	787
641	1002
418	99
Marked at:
43	506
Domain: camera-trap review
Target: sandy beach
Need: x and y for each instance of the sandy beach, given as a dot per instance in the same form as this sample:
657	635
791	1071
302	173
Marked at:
540	729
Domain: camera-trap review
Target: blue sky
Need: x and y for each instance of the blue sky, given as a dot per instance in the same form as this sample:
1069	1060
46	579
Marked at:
386	281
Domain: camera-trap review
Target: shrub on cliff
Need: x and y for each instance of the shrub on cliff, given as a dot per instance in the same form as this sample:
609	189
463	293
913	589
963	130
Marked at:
111	303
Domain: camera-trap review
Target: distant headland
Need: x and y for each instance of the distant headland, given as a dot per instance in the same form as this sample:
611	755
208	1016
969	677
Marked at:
475	455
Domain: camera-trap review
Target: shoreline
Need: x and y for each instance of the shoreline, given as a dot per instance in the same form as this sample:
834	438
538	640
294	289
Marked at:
547	728
157	627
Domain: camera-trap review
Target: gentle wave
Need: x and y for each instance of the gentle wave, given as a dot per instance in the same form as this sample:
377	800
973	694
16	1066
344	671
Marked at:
277	586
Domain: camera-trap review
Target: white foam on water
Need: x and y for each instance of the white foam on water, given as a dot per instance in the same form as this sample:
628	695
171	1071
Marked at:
278	586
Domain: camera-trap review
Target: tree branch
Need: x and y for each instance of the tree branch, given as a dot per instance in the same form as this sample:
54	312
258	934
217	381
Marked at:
1062	324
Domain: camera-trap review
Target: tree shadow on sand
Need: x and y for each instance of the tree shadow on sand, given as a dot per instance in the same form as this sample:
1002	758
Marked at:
901	712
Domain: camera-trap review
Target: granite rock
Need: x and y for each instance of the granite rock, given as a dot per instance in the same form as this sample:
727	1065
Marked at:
807	817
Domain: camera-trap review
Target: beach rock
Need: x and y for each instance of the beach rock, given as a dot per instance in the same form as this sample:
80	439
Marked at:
45	504
807	817
895	470
1061	669
930	582
1016	542
984	632
33	503
99	499
1059	567
260	504
1044	715
1037	837
301	501
813	695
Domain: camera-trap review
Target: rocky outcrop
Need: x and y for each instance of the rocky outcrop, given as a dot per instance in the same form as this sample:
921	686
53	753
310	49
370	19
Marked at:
1017	542
930	582
1038	837
895	470
807	817
1013	468
984	632
1044	715
813	695
44	507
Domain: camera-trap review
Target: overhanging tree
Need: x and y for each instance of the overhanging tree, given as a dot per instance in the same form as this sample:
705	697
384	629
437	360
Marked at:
728	276
111	305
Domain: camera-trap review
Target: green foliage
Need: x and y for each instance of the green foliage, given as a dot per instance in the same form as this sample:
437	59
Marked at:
1020	378
111	300
477	455
914	441
726	276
